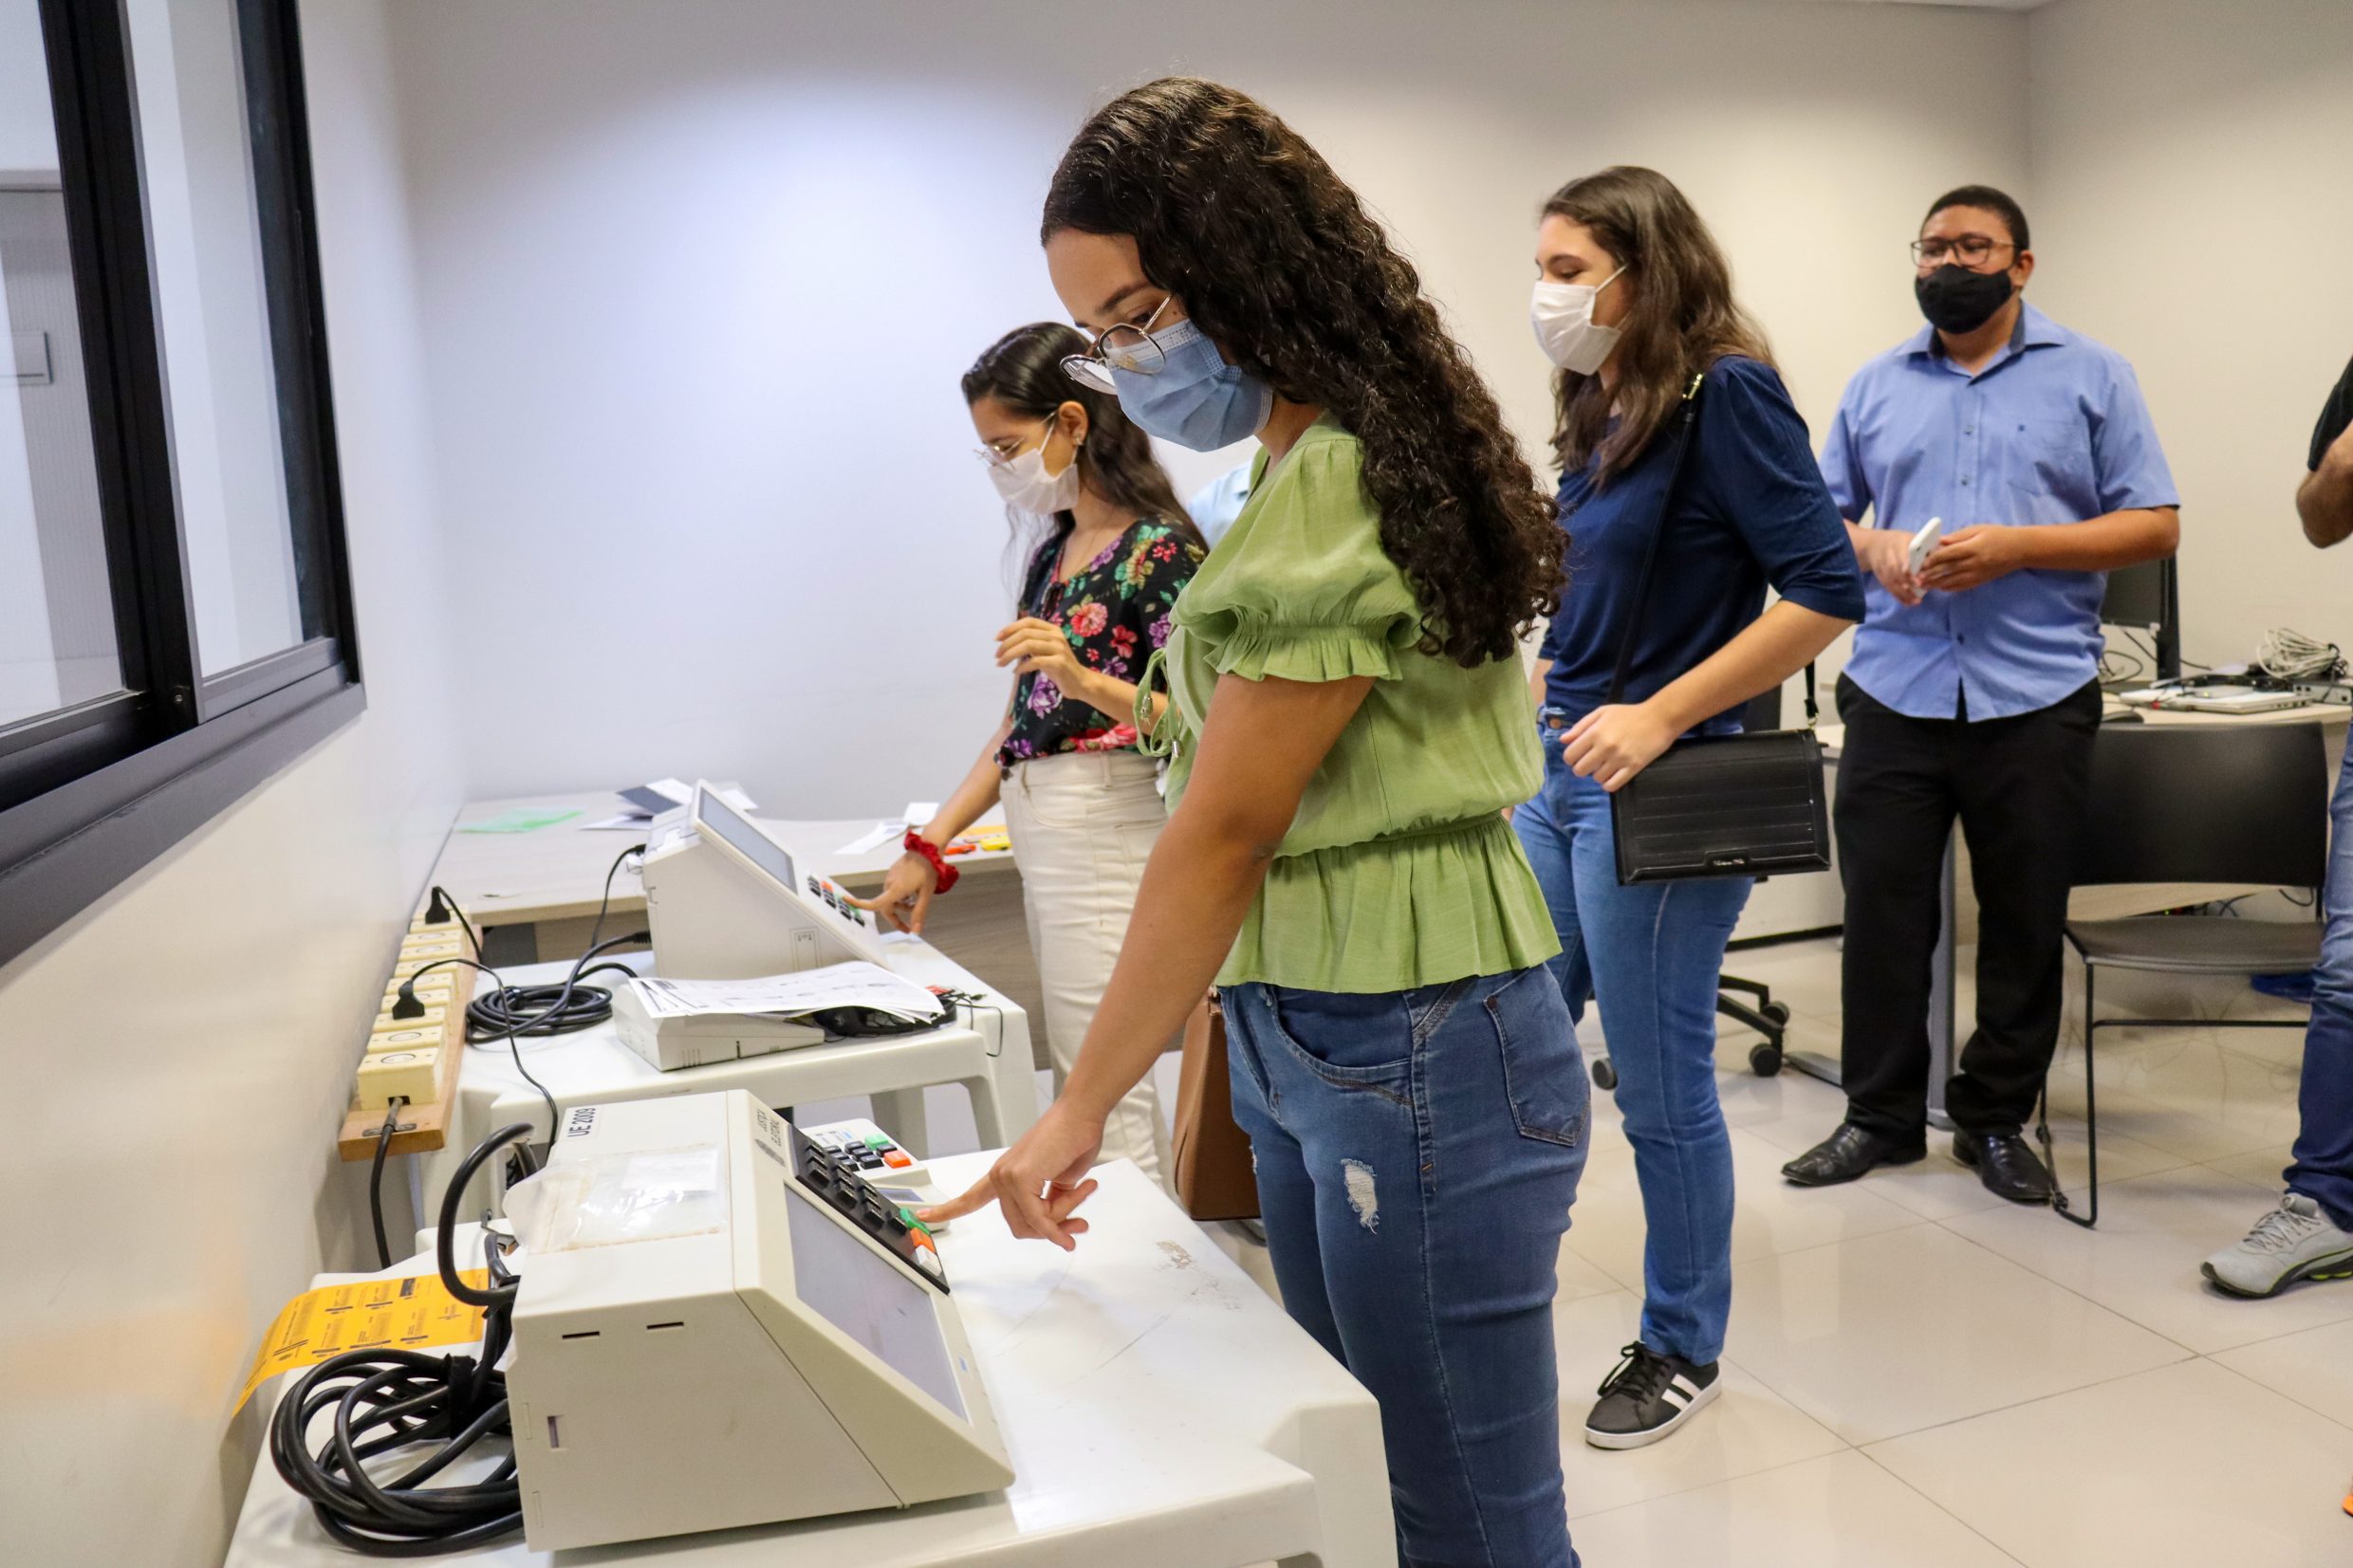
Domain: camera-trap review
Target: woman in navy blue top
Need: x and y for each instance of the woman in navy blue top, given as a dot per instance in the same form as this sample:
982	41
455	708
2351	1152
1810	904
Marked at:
1632	298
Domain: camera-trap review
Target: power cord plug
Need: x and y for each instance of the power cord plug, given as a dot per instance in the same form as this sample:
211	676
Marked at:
406	1006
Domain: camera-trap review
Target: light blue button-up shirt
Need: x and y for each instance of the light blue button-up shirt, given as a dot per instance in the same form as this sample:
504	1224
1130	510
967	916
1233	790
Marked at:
2052	431
1220	502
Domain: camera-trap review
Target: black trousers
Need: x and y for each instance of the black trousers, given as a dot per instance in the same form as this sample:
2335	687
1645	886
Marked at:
2019	787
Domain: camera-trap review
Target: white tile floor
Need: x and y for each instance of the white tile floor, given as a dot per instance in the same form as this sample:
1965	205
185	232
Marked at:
1919	1375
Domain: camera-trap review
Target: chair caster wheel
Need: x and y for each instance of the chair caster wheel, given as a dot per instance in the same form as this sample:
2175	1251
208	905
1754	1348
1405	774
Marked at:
1778	1012
1604	1075
1764	1060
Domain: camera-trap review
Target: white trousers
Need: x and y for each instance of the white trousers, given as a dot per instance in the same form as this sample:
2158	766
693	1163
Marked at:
1083	825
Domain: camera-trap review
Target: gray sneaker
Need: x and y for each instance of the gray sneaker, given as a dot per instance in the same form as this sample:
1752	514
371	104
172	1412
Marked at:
2293	1241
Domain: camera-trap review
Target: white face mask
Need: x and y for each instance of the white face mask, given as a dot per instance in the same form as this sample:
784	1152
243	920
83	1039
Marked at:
1027	487
1562	314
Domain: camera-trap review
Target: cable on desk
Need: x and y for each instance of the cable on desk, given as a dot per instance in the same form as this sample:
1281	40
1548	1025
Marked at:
2145	646
553	1009
386	1399
2286	655
974	1005
376	1180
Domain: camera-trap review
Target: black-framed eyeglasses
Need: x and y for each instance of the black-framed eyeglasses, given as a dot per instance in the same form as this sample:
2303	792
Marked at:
1970	250
1127	346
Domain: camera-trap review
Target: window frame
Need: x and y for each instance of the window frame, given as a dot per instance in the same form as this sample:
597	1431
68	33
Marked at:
91	793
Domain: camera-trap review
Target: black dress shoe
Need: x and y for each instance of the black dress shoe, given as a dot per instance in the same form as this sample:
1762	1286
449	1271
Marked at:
2005	1164
1847	1154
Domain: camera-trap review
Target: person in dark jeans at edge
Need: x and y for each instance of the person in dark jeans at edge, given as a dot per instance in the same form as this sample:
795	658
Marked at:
1974	689
2309	1236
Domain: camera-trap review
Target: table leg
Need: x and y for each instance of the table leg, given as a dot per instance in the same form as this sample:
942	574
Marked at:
1011	1089
1940	992
902	1115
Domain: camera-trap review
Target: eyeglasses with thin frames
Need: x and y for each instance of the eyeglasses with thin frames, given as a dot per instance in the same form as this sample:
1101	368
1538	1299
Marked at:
1127	346
996	459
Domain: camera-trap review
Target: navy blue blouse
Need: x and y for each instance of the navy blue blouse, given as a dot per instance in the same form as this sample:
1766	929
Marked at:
1753	511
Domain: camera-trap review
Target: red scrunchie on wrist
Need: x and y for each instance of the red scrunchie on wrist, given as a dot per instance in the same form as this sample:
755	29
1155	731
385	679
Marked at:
944	874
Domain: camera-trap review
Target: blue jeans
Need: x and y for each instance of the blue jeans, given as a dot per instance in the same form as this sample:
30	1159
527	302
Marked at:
1416	1155
2323	1153
1651	955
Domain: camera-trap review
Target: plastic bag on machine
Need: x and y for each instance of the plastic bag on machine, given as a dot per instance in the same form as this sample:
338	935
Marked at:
640	1195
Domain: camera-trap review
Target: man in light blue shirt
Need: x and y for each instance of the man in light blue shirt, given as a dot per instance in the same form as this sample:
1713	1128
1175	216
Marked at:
1220	502
1974	689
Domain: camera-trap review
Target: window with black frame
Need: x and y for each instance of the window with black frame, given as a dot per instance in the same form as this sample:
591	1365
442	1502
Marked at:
175	606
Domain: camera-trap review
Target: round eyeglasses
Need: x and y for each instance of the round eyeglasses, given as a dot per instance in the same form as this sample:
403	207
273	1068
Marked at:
1127	346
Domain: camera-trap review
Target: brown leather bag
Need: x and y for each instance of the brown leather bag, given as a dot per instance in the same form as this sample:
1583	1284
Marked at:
1214	1178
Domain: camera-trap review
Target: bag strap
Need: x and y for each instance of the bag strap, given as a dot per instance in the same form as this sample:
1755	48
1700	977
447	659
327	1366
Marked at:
1684	424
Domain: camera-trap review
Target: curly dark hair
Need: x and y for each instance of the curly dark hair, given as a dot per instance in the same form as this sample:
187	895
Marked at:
1023	370
1681	320
1277	261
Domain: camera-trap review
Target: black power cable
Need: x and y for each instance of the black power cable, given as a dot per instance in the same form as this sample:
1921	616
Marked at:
375	1181
556	1009
384	1399
510	1011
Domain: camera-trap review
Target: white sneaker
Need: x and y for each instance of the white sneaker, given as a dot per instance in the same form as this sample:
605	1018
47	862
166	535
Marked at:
2293	1241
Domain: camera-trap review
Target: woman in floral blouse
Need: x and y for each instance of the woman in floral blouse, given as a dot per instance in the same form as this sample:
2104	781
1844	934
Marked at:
1084	806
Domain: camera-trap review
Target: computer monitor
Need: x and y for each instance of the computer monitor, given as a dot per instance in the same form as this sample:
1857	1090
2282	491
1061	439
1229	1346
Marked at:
2148	596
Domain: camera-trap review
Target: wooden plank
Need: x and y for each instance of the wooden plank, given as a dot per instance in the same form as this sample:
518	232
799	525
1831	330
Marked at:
422	1127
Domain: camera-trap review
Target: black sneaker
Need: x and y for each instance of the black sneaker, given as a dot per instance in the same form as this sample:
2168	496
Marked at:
1648	1396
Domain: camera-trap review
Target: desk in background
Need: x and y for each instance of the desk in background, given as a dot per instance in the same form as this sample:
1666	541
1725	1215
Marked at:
1161	1412
2103	903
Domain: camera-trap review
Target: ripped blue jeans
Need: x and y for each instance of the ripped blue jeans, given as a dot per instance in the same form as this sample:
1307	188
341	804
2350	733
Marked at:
1418	1153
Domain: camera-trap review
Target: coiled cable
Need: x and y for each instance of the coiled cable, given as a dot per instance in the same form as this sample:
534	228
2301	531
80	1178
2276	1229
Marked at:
383	1399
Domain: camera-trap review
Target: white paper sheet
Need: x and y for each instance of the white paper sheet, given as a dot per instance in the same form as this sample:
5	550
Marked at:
920	812
853	985
874	838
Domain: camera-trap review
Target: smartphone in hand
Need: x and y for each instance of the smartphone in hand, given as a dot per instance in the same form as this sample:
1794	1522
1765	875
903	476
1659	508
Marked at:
1924	542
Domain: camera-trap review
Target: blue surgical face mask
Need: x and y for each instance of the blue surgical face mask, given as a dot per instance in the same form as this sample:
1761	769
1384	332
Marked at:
1195	398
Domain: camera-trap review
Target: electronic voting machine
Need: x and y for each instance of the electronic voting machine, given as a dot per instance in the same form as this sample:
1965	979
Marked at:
725	900
719	1324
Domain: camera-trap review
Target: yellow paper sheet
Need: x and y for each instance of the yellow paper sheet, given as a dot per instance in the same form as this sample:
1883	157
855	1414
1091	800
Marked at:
416	1313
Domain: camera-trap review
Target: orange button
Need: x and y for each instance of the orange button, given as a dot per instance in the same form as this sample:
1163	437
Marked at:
895	1158
923	1239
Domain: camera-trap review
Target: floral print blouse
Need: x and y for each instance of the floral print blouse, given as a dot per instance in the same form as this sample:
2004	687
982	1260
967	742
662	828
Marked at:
1115	611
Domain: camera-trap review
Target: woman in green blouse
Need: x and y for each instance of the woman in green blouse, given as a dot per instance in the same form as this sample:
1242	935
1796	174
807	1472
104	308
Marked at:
1349	722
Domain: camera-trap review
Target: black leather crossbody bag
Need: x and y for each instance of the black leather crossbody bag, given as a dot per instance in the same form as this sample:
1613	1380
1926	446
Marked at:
1716	805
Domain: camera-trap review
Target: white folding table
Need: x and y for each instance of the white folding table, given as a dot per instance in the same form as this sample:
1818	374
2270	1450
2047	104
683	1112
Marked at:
986	1051
1161	1412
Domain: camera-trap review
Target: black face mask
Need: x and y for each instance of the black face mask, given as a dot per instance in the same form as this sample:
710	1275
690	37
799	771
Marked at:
1957	300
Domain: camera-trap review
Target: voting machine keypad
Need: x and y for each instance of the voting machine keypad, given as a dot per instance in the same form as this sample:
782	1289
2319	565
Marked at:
842	907
838	1177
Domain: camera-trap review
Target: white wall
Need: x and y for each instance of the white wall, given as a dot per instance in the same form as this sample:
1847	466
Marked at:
180	1057
699	279
2194	208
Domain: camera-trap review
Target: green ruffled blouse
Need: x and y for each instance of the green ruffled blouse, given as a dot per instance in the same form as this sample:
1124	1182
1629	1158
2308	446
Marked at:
1400	869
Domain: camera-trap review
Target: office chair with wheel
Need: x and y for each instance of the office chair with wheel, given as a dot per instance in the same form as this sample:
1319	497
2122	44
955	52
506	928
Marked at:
1765	1015
2233	802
